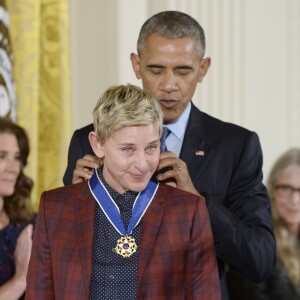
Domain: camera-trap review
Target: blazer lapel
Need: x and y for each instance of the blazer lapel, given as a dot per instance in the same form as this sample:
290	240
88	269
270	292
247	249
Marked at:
85	218
196	148
150	225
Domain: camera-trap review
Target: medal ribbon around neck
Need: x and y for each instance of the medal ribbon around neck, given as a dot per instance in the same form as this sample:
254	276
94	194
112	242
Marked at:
111	210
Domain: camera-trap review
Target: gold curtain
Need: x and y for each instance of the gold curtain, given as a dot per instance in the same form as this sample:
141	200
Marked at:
7	83
40	42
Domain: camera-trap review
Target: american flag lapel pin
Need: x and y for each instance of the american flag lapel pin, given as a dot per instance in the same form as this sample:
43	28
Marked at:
200	153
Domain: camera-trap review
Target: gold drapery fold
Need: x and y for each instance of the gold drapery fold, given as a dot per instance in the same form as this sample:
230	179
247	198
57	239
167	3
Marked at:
7	83
40	42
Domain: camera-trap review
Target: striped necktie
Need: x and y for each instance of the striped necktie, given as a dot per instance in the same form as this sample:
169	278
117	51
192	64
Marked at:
165	134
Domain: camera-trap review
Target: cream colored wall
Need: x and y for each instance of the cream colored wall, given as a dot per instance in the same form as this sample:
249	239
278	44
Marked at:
254	80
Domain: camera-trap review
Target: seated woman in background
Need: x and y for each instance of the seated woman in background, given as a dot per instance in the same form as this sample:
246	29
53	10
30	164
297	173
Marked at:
16	218
284	191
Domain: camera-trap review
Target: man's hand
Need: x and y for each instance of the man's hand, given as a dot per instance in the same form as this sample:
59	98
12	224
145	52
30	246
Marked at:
85	168
176	173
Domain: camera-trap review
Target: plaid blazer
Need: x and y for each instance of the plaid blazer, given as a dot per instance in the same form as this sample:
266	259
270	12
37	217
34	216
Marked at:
176	260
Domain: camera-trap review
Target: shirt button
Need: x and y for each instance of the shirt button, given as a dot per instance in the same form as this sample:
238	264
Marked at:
111	277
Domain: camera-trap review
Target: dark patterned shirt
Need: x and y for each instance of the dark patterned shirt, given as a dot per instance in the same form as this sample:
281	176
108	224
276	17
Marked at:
113	276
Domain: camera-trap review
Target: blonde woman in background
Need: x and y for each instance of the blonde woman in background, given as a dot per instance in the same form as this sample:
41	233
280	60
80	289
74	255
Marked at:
284	186
284	190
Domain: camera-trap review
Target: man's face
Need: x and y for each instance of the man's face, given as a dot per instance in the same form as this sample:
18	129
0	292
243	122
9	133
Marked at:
170	69
131	156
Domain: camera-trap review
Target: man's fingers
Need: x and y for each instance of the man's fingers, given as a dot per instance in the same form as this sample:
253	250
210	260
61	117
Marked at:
168	162
82	174
88	163
85	168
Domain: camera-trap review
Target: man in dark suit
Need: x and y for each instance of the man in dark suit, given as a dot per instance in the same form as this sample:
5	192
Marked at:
122	235
219	159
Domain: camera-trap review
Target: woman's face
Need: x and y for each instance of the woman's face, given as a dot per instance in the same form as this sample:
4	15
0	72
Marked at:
287	197
10	164
131	156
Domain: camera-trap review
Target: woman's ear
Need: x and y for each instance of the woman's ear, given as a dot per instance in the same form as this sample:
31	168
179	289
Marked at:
96	144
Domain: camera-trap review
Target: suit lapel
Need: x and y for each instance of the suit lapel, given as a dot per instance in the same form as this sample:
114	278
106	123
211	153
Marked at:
85	218
196	148
150	225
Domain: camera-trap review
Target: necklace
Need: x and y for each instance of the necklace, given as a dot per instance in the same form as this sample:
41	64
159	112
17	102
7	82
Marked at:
126	245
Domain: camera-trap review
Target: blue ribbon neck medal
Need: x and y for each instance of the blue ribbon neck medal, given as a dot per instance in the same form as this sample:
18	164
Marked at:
126	244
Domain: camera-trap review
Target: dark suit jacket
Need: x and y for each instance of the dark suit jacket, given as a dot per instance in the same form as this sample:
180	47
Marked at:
176	259
225	161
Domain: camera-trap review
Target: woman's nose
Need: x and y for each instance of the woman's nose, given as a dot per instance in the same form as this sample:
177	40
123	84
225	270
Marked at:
141	161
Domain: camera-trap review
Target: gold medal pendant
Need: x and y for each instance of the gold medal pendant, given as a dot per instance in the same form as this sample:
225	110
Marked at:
126	246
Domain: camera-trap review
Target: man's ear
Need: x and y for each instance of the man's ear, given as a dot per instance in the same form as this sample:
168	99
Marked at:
205	64
96	144
136	65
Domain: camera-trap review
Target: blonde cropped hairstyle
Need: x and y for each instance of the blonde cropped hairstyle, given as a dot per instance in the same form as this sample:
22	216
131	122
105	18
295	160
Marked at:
125	105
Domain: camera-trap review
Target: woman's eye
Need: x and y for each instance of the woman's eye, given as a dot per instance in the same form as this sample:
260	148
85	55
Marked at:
127	150
151	147
18	158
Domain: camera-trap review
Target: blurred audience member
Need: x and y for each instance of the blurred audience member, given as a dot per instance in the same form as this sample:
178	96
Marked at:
16	218
284	190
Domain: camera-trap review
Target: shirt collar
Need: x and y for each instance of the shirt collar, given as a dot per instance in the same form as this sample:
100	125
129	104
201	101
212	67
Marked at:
178	126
